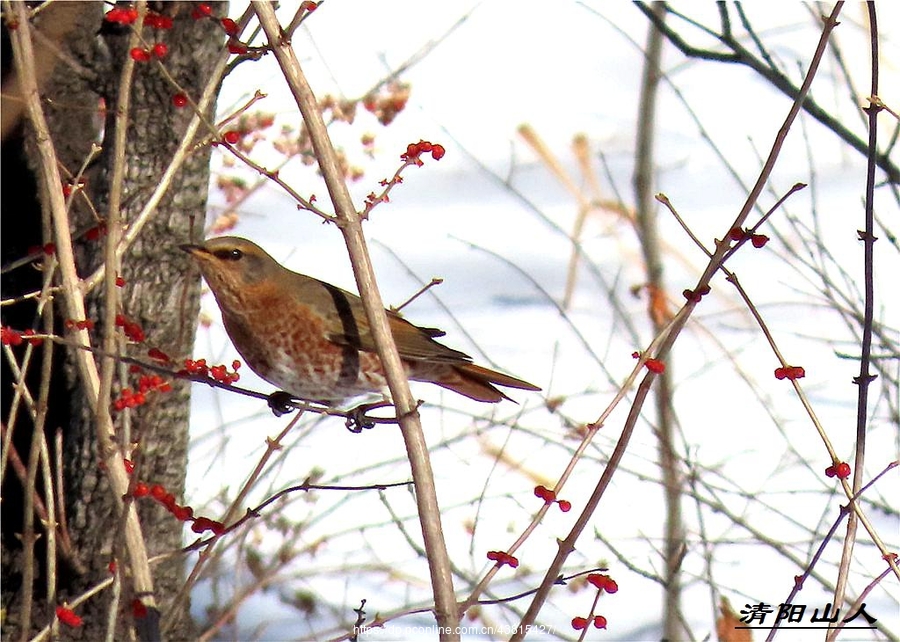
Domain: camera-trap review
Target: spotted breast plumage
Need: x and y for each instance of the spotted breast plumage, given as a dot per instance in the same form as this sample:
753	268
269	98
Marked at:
312	339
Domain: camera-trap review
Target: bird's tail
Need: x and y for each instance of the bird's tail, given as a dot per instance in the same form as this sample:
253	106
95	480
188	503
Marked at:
476	382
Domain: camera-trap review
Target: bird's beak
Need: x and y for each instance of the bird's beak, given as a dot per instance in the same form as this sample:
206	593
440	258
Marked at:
193	249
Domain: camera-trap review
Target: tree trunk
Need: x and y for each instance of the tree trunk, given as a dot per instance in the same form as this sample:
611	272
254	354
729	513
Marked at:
160	294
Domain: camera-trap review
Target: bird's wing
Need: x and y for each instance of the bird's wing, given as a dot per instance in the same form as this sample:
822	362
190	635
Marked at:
347	326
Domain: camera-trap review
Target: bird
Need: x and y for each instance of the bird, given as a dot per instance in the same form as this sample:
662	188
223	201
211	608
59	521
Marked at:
312	340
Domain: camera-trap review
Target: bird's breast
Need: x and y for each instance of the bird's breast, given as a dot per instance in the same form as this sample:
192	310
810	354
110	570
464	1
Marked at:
286	343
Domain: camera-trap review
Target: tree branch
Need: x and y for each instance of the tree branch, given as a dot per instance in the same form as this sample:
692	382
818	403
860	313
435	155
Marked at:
350	225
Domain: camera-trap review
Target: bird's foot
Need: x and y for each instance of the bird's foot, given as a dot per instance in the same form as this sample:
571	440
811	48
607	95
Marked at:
358	420
281	403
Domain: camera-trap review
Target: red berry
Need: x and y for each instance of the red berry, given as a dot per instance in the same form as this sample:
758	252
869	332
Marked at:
138	609
158	355
544	493
183	513
10	337
230	26
121	15
202	10
95	232
843	470
160	49
140	55
758	240
235	46
158	21
206	524
231	137
67	616
179	100
579	623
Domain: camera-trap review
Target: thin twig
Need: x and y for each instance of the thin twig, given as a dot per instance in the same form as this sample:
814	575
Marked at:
740	55
864	379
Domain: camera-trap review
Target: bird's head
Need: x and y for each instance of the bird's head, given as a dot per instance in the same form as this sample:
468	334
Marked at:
231	263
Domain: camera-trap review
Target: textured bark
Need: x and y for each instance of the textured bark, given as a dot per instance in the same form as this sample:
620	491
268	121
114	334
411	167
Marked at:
161	292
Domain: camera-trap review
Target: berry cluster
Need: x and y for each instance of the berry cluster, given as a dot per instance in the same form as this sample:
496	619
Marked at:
389	102
49	249
129	398
695	297
132	330
154	20
604	584
181	513
412	156
415	150
122	15
738	234
579	623
502	558
79	324
549	497
840	470
12	337
220	373
158	50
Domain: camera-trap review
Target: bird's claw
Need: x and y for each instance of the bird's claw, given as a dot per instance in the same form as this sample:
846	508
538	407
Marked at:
281	403
358	420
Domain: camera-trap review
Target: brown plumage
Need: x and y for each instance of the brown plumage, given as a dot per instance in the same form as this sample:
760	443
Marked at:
312	339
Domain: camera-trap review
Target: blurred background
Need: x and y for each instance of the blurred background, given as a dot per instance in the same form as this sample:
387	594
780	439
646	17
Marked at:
531	221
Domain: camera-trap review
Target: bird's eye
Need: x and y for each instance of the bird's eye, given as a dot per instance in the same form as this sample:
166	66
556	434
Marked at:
229	255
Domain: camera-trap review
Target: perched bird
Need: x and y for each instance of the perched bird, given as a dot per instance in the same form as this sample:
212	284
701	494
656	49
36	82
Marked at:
312	339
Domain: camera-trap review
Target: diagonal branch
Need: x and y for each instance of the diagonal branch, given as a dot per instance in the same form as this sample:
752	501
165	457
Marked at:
350	225
567	545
